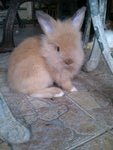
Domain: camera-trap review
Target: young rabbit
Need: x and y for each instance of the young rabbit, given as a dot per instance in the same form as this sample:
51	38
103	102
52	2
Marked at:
55	57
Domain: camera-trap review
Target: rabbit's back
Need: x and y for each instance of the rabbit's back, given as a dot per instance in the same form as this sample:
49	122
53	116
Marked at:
27	67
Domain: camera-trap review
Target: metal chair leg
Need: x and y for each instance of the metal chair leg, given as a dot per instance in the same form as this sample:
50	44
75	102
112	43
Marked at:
96	16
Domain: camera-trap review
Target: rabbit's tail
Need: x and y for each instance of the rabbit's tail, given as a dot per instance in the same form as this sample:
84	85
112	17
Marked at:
49	92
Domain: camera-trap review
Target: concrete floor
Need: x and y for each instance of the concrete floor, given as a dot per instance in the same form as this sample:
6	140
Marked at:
80	120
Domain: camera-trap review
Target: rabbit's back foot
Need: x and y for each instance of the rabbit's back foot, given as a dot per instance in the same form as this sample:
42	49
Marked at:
48	92
60	94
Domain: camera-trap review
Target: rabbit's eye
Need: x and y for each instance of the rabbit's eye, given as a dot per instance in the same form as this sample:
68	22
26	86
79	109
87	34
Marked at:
57	48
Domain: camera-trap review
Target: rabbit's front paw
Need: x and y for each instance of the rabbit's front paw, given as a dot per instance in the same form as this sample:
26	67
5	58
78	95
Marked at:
73	89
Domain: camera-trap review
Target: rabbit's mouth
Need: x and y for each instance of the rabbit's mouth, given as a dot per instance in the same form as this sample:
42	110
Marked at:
69	67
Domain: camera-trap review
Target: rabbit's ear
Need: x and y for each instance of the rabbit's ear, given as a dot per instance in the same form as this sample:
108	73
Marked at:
78	18
46	22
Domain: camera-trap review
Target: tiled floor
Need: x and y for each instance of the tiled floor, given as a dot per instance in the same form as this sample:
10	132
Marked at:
80	120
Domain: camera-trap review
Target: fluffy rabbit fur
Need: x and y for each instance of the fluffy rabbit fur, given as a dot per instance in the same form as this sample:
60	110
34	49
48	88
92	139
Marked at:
56	57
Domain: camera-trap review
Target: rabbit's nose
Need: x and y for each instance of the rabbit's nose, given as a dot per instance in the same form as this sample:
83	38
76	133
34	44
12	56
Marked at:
68	61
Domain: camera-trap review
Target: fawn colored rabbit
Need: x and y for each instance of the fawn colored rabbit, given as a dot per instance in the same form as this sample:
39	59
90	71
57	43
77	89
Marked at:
55	57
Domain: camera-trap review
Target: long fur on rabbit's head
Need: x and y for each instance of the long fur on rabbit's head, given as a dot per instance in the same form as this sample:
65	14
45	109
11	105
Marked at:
61	44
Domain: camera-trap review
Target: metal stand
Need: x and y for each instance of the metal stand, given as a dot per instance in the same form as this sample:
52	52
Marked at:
8	42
